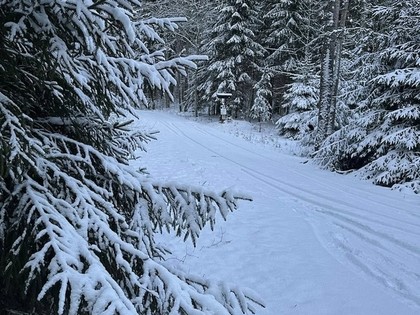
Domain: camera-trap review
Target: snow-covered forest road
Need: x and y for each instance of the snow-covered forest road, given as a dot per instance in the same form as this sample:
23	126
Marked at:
311	241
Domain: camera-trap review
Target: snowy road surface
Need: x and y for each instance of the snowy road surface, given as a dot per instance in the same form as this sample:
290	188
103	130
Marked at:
311	242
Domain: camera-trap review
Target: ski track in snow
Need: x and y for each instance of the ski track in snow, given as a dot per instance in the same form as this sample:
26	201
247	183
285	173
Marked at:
355	191
374	235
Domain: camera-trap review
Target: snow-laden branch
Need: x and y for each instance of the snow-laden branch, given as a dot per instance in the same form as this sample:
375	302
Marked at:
77	223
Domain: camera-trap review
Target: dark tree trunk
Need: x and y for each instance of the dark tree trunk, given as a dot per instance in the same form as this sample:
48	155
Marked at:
330	72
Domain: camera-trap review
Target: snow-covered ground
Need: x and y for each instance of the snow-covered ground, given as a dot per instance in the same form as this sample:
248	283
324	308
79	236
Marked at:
311	242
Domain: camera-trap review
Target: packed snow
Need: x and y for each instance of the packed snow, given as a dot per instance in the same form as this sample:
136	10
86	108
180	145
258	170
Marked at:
310	242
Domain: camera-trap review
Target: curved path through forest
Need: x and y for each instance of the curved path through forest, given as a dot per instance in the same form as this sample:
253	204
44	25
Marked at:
311	242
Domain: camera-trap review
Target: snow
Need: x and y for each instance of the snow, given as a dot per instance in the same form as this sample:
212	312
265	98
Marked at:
311	241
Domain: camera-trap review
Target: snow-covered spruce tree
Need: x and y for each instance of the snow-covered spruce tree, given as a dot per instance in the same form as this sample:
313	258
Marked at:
261	109
289	30
300	102
385	139
234	52
77	223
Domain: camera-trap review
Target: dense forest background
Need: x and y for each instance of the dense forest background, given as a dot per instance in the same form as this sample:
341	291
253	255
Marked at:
340	76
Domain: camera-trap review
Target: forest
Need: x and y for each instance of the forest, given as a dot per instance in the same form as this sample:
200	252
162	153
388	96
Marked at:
78	223
341	77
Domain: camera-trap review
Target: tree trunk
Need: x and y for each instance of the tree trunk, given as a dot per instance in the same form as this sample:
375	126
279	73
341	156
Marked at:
196	93
330	73
178	91
325	95
340	24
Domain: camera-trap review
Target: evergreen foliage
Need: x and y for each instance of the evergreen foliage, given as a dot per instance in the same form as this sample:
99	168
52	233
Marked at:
384	139
198	16
294	50
261	109
300	101
288	35
77	223
287	32
233	52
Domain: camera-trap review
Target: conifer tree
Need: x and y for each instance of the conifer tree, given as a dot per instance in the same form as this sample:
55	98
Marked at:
300	101
287	32
233	52
290	28
261	109
384	138
77	223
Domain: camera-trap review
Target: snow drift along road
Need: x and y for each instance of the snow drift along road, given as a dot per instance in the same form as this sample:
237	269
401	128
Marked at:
311	242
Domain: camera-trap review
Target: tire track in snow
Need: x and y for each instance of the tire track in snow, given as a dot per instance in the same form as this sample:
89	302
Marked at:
380	246
233	144
298	190
313	198
372	249
364	257
309	194
384	278
167	125
318	182
342	217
